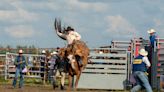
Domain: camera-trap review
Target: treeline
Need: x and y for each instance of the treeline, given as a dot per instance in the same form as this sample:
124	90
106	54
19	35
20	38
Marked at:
27	49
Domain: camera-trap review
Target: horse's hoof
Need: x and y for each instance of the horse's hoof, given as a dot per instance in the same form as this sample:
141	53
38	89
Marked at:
62	87
54	86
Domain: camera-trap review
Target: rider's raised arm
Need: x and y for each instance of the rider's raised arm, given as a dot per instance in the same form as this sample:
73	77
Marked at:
62	35
58	28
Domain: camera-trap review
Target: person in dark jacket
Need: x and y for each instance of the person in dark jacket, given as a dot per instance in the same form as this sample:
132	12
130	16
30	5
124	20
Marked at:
42	64
52	62
140	66
152	37
20	64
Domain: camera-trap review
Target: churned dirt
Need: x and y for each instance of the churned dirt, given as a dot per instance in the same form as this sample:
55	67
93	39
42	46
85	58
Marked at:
41	88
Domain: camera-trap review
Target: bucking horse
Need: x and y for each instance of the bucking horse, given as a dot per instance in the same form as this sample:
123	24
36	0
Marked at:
77	48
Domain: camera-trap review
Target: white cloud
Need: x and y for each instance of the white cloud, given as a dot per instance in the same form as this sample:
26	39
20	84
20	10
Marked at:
87	16
7	15
75	5
20	31
18	14
158	22
161	8
97	6
28	16
159	27
120	26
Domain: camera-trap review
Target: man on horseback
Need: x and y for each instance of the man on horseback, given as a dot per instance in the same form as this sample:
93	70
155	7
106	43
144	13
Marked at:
76	52
71	36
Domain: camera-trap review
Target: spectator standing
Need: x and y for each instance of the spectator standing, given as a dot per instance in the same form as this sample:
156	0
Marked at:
20	64
42	64
53	67
152	37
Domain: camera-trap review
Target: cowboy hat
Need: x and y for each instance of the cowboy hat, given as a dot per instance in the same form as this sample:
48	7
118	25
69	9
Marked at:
151	31
69	28
54	52
43	51
143	52
20	51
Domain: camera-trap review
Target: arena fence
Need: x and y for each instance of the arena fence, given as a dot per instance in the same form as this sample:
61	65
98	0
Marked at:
121	44
157	79
107	69
129	46
2	65
107	64
33	61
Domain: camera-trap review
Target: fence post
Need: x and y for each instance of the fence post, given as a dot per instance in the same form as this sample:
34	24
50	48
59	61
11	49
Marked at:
6	65
44	77
45	70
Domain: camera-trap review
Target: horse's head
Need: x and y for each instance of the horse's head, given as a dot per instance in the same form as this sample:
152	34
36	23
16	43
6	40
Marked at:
62	52
48	55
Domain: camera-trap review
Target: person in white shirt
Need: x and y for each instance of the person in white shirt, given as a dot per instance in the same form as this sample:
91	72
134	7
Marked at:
70	35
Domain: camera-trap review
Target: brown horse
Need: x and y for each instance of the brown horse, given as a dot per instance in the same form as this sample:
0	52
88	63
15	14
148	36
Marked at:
78	48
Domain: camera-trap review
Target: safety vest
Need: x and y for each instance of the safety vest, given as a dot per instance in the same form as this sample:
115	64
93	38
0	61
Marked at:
138	64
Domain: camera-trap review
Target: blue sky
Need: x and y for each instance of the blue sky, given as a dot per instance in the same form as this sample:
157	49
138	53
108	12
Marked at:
30	22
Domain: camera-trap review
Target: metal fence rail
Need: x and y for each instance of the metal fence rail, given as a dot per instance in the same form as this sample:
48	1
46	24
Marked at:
2	65
33	61
121	44
107	70
159	65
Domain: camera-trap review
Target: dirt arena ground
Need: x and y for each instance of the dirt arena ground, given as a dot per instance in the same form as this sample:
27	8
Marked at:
9	88
30	88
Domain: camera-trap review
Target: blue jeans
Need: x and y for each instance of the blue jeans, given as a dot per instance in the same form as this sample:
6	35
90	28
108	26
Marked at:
17	73
141	81
51	76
